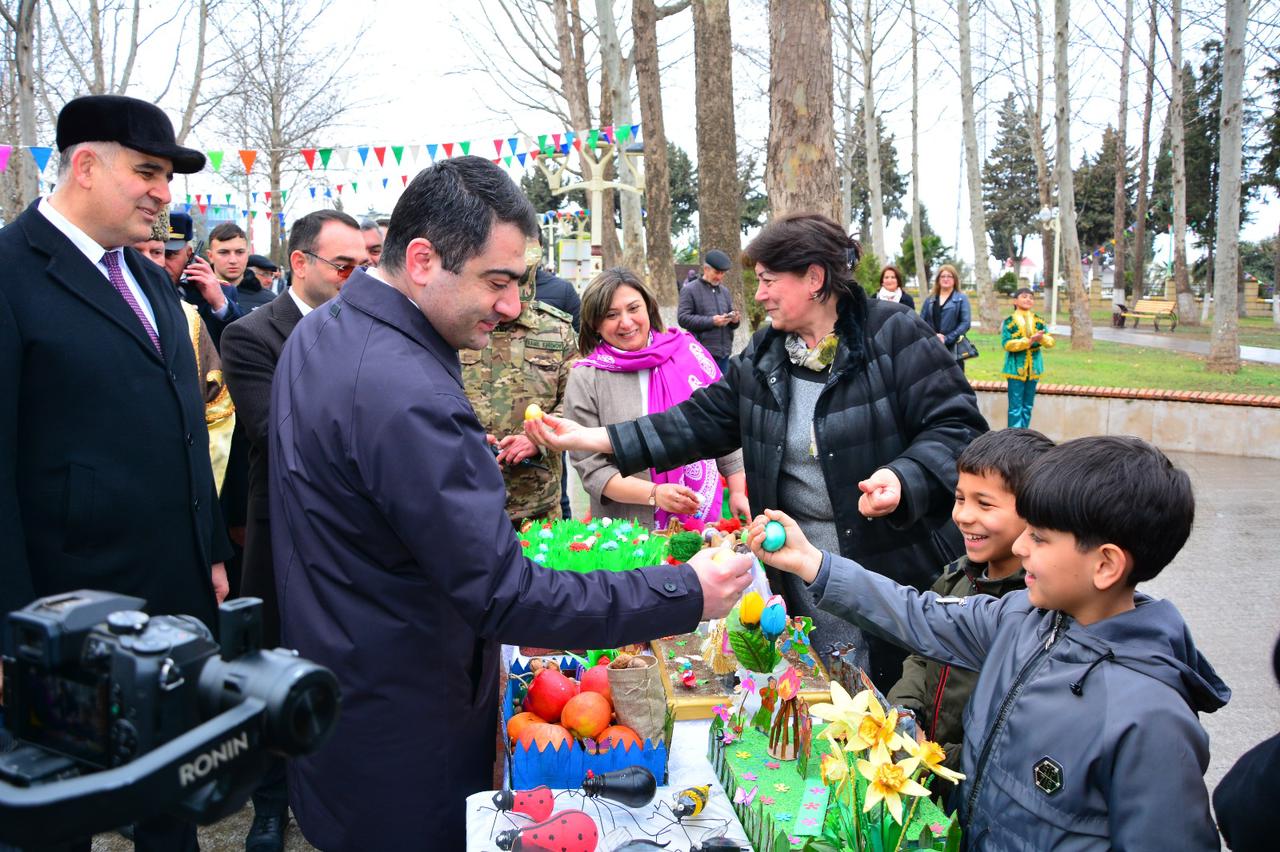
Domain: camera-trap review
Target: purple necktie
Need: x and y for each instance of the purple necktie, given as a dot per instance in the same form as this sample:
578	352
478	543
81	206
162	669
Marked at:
112	260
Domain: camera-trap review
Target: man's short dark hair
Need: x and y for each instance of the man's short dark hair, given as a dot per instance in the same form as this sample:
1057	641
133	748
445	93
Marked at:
369	225
1115	490
1007	453
454	205
226	231
306	231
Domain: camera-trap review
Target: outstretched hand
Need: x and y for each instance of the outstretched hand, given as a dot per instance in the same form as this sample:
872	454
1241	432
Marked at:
796	556
724	576
563	435
881	494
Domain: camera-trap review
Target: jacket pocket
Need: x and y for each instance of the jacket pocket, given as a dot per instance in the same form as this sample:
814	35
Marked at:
80	532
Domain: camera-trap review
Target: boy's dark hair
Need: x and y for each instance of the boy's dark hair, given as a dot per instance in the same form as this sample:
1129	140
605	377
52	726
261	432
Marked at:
226	231
1022	290
455	204
1007	453
1116	490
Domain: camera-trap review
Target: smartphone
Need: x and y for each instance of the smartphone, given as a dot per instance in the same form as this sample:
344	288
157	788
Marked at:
198	253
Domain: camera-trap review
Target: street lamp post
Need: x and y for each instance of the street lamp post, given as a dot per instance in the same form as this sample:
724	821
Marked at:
1044	216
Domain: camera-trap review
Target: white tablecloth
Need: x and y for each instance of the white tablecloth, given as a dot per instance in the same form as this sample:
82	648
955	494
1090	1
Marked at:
688	767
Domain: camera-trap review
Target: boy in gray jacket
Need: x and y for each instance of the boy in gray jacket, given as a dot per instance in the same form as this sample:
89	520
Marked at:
1082	731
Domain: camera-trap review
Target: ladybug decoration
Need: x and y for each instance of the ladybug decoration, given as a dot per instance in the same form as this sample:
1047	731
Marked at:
567	831
536	804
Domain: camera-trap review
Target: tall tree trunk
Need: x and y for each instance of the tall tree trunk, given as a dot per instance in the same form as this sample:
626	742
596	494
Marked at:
1275	282
719	197
1144	165
922	275
657	188
846	147
573	64
1040	153
1120	207
872	135
1081	322
988	309
610	250
22	23
799	170
1224	343
1178	145
620	95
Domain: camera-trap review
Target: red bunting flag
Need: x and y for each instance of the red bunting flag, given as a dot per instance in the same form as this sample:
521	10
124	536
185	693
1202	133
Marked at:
497	145
248	158
309	154
404	180
340	188
203	207
448	149
267	195
380	152
555	137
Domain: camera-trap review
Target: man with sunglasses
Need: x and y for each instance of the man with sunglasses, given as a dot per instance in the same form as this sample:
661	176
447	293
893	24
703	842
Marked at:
324	248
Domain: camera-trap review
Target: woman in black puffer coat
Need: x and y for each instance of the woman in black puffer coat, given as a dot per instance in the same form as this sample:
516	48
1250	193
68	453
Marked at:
849	415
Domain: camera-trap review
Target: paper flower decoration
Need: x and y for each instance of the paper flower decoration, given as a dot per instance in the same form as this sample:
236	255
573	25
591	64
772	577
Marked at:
889	783
931	755
788	684
750	609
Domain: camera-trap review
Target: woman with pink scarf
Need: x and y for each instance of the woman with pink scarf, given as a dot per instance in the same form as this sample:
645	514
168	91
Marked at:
631	367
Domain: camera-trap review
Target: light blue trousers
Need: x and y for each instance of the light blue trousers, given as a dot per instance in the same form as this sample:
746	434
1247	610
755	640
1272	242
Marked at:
1022	395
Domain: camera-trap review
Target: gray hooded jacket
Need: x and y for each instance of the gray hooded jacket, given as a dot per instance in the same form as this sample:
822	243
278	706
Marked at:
1076	738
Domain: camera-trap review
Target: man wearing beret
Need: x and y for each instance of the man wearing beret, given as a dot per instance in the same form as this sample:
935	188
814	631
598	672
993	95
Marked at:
706	309
105	481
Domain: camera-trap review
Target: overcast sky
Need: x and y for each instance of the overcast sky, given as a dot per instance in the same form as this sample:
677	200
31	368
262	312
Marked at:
419	82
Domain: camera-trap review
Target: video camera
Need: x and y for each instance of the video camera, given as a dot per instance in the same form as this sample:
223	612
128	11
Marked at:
121	716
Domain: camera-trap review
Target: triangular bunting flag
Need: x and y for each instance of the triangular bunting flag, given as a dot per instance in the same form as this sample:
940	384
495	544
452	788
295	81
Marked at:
284	194
340	188
267	196
431	151
397	151
570	137
244	214
313	191
606	133
281	215
215	160
309	154
497	147
624	133
564	148
381	153
384	183
512	142
344	157
41	156
542	143
188	200
404	180
497	161
507	160
521	157
328	193
248	158
355	187
255	198
466	148
325	154
448	149
593	138
203	207
577	142
363	151
556	138
198	197
228	198
635	132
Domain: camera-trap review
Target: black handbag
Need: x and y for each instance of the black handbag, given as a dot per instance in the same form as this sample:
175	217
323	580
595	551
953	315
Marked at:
965	349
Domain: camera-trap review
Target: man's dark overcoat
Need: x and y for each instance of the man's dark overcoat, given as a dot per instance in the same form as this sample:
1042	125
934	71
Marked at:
398	569
105	479
250	351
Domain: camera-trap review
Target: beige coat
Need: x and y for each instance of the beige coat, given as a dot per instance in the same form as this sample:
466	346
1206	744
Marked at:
600	398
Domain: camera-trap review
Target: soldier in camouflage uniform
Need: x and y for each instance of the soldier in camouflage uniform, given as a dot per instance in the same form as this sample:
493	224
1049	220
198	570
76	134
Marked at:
527	361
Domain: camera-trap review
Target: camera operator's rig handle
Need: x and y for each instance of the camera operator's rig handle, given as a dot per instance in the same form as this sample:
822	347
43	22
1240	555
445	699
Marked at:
219	762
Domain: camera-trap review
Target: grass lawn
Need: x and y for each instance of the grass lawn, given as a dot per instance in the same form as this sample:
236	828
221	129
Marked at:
1118	365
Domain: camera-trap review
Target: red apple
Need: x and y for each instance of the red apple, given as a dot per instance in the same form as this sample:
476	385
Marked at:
587	714
596	679
548	694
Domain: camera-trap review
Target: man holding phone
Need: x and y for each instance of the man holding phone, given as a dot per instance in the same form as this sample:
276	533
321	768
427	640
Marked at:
195	279
706	309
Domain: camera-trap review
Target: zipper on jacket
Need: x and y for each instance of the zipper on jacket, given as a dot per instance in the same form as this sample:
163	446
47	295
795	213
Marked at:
1006	707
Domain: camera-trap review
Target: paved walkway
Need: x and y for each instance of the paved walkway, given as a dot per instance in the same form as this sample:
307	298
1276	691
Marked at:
1138	337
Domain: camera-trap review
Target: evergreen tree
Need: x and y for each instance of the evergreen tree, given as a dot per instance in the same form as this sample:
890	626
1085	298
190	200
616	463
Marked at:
935	253
755	203
683	179
893	186
1095	185
1009	185
538	191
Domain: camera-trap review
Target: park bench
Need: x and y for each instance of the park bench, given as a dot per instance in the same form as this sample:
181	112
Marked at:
1156	309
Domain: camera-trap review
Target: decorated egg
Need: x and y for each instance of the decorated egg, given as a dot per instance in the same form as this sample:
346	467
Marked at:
775	536
533	412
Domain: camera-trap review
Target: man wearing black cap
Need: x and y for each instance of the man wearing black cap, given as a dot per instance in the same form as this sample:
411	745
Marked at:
255	289
706	309
196	279
105	479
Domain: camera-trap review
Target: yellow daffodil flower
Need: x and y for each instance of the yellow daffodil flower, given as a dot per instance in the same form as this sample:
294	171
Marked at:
844	713
889	782
750	608
876	731
834	769
931	755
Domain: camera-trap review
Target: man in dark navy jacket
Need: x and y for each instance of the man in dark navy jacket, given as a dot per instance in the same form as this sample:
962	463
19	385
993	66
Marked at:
395	563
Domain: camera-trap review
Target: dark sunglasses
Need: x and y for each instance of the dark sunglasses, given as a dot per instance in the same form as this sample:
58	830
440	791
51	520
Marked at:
344	270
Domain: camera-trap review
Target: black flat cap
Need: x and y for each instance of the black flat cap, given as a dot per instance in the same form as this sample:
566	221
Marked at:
717	260
260	262
130	122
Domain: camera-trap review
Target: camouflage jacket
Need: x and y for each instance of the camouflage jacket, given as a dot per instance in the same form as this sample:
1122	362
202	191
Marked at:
527	360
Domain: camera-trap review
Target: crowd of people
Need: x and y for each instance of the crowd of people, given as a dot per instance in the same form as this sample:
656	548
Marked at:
184	425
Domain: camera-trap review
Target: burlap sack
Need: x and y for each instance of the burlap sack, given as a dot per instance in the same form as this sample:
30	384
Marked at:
638	696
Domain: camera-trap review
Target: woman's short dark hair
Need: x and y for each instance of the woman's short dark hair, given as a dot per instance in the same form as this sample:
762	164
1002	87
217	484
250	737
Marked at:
796	242
897	274
455	204
598	297
1112	490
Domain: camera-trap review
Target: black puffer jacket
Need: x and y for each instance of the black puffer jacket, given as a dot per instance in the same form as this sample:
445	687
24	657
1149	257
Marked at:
894	399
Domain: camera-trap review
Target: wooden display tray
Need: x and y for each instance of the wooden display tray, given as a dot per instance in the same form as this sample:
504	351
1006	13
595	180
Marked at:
697	704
